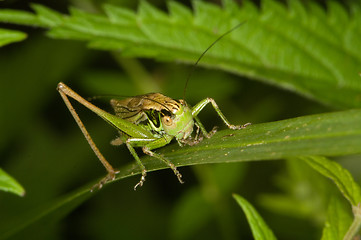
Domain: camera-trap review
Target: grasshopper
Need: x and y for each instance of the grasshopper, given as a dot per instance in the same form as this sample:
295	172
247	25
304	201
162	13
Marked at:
148	121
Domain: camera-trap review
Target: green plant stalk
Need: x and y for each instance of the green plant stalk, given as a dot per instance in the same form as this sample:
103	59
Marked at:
139	75
356	224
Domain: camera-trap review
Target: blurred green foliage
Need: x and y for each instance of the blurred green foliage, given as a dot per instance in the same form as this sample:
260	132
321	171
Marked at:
41	146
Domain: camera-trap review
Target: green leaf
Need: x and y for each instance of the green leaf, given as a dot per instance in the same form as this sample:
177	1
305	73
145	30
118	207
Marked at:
9	184
20	17
259	228
329	134
178	12
338	220
47	16
308	50
339	175
10	36
119	15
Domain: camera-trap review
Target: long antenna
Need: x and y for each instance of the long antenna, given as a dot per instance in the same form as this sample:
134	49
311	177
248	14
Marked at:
209	47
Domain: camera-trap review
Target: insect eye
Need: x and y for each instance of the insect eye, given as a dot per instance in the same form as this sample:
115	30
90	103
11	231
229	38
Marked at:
167	120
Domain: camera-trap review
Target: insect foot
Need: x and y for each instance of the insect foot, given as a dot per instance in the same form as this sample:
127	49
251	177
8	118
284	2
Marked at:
177	173
190	141
117	142
239	127
166	161
142	179
109	177
212	132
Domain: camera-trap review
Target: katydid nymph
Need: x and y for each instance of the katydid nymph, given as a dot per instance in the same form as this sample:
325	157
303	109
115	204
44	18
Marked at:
148	121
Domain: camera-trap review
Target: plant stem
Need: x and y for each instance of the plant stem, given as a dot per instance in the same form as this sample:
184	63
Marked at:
356	224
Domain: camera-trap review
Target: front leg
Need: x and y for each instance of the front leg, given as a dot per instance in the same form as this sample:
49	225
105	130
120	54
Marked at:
157	144
198	137
198	108
166	161
148	144
131	149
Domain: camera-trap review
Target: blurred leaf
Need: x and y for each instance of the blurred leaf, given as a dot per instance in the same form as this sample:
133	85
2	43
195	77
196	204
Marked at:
10	36
46	16
227	177
9	184
208	200
338	220
47	174
47	62
190	204
20	17
32	144
305	193
303	49
354	230
339	175
259	228
47	213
